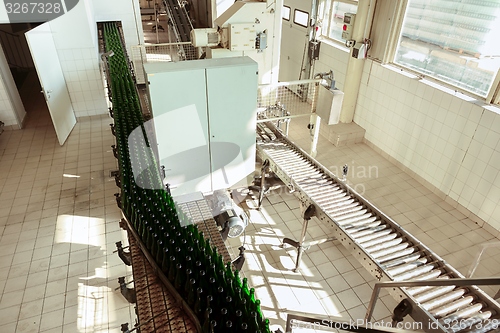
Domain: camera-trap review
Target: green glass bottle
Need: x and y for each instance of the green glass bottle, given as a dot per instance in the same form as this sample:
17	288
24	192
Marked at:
191	293
171	269
159	252
265	326
237	279
260	316
223	317
198	304
238	320
206	320
252	295
187	284
229	327
165	264
220	297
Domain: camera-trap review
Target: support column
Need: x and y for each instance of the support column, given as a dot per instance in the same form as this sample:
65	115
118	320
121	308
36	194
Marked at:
354	66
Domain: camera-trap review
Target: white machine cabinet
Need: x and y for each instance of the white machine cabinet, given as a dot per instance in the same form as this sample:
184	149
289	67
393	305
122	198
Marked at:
204	114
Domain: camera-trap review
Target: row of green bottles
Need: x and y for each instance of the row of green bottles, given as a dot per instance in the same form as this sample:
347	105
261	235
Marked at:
185	256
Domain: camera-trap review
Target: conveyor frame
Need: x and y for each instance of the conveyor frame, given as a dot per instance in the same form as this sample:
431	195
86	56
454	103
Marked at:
268	131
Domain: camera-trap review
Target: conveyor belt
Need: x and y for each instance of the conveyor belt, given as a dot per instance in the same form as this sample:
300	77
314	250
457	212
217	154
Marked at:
381	245
158	308
182	26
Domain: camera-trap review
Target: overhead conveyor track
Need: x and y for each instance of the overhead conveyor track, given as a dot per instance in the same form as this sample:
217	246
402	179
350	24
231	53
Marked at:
181	24
381	245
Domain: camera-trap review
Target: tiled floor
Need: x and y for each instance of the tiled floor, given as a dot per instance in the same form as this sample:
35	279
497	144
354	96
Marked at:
58	226
59	223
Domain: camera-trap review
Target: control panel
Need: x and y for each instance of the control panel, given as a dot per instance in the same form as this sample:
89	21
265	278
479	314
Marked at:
348	26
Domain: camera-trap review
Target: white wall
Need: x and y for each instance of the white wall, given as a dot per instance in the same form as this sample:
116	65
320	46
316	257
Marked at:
7	113
126	11
451	143
12	110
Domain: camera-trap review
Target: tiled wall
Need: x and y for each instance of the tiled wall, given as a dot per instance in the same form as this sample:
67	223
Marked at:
123	11
440	137
332	58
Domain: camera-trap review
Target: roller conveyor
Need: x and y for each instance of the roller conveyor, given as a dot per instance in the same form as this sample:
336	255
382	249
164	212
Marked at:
381	245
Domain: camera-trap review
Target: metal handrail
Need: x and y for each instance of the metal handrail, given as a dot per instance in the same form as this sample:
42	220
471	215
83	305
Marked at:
426	283
340	324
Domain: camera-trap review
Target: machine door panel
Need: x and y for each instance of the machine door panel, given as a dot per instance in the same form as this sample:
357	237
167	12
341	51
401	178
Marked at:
178	101
232	103
52	80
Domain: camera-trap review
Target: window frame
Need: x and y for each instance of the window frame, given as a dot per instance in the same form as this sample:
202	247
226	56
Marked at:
289	13
295	16
325	26
389	57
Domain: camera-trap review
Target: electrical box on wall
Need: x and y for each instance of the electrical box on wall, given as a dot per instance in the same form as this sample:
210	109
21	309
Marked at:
314	49
359	51
348	26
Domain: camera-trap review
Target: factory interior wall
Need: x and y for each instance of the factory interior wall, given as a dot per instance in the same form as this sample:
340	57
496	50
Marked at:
127	12
448	141
12	111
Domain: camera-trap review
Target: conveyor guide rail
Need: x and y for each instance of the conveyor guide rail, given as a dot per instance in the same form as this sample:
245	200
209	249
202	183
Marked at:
381	245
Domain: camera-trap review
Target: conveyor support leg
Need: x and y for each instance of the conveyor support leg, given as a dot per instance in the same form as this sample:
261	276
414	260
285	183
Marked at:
308	213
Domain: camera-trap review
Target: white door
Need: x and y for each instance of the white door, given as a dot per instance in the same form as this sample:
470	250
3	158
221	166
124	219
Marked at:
48	67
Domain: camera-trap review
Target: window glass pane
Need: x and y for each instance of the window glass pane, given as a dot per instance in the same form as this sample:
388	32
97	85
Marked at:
300	17
336	19
453	41
285	14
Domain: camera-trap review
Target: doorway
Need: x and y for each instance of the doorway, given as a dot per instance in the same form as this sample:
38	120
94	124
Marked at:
22	69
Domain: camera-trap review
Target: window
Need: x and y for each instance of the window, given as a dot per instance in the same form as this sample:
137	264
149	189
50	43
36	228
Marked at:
301	18
285	13
452	41
332	14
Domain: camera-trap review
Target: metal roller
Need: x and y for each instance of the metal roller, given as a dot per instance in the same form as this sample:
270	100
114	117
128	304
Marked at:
402	260
443	299
469	323
435	273
380	239
385	245
414	273
463	313
370	233
340	204
396	255
346	213
367	221
433	293
391	250
453	306
408	266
